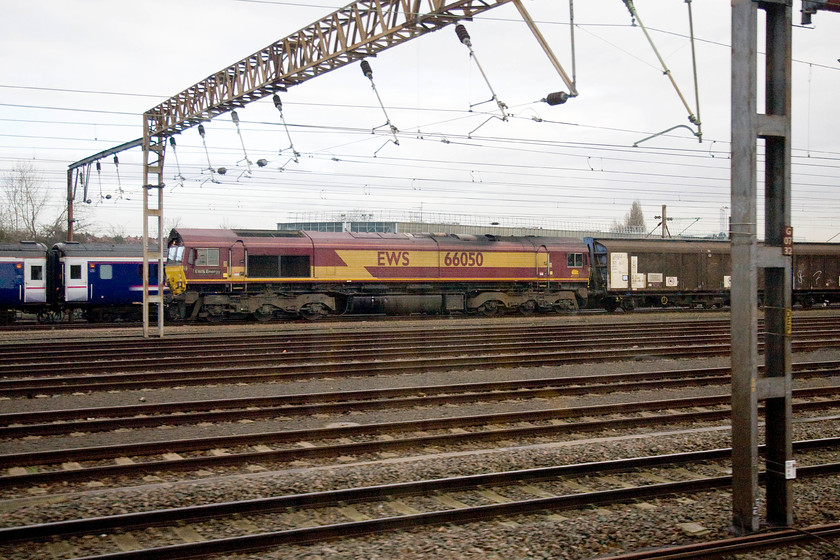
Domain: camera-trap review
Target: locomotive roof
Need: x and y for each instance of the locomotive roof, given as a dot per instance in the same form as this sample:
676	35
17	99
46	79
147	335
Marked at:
23	249
100	249
207	235
192	236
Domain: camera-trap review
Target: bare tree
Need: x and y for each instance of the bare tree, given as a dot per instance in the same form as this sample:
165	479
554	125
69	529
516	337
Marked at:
171	223
25	195
118	232
634	220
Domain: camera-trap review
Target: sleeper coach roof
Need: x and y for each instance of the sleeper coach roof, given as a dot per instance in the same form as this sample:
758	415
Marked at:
100	249
23	249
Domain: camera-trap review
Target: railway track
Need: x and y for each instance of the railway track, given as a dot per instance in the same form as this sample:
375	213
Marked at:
725	548
288	357
564	411
300	518
336	338
89	463
56	422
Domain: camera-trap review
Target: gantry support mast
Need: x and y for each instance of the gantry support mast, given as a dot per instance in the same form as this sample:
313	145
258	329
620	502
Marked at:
774	387
361	29
773	127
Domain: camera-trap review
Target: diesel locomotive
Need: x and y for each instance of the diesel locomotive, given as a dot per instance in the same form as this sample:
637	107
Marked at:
219	274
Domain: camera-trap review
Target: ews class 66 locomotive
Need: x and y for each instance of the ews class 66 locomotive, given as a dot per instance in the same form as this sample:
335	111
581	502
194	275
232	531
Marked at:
219	274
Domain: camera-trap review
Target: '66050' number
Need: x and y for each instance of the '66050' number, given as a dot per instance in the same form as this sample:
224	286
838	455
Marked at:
464	258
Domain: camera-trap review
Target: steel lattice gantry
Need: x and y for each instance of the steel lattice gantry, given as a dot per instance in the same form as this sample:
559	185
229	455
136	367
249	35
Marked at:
361	29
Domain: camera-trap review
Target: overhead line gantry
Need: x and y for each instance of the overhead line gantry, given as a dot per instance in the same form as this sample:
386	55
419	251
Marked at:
358	30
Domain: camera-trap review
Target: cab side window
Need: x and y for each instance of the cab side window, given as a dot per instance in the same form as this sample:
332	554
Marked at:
574	260
206	257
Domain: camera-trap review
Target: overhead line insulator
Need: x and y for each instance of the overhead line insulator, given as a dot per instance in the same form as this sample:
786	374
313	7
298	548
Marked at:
556	98
368	72
463	35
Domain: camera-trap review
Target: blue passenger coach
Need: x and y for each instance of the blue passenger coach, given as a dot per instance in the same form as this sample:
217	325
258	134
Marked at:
23	277
104	281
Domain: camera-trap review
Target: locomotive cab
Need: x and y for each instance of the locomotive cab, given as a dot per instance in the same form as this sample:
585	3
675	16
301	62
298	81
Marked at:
176	280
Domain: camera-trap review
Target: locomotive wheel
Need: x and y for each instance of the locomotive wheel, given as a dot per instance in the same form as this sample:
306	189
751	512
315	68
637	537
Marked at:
215	313
491	308
264	314
528	308
314	311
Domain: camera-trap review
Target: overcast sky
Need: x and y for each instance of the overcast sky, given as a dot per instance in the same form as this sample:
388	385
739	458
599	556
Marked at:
79	74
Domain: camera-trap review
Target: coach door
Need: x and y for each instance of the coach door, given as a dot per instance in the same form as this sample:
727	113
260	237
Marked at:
75	280
34	281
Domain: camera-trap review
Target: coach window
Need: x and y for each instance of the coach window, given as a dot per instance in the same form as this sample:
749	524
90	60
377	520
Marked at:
37	272
575	260
106	272
75	272
206	257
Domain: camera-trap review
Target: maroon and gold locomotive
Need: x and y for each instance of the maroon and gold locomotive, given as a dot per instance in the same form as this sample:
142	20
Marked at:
218	274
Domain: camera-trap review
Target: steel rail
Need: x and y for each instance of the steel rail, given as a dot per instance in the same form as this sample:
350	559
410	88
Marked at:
51	457
369	493
267	540
260	351
725	548
295	370
295	353
434	361
87	348
55	422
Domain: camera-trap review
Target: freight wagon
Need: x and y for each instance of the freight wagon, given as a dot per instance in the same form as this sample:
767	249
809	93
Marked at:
630	273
